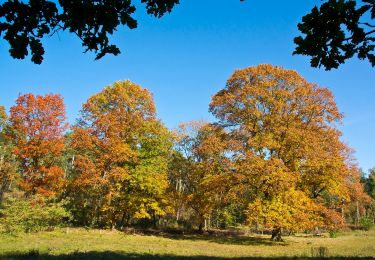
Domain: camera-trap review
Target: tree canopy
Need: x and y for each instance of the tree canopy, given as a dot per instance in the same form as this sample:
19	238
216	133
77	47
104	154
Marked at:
331	33
336	31
24	25
288	153
121	157
38	124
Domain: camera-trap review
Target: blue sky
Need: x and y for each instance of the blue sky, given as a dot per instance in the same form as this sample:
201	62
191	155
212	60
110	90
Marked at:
187	56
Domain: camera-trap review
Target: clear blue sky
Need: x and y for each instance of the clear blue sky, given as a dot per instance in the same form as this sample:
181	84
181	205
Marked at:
186	57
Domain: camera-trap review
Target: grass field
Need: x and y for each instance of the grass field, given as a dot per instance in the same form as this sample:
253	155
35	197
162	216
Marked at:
104	244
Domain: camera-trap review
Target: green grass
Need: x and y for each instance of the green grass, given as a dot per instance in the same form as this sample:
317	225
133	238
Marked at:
104	244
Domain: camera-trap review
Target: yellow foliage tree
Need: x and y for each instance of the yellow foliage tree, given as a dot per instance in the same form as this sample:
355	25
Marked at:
287	149
122	152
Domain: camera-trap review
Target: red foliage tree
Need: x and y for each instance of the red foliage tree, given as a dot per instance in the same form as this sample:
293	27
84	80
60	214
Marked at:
38	124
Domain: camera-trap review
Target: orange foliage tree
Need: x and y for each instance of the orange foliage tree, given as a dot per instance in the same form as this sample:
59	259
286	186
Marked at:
37	128
288	153
359	201
122	152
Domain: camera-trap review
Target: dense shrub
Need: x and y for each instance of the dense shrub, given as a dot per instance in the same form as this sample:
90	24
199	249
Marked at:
366	223
19	214
333	233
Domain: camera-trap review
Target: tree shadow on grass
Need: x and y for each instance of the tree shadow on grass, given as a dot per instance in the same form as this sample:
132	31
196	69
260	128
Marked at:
227	239
122	255
229	236
214	236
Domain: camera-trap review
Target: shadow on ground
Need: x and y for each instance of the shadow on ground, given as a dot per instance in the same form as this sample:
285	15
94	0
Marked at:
219	237
229	240
123	255
120	255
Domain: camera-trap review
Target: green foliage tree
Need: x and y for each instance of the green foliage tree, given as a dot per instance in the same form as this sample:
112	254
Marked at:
35	213
7	159
370	183
368	180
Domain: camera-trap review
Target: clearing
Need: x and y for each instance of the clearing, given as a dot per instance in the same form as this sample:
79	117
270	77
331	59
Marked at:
105	244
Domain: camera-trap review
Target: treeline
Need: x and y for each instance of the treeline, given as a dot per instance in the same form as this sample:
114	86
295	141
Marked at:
272	160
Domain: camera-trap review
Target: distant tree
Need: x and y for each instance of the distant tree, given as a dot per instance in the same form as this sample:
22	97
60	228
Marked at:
7	160
3	119
122	151
200	174
370	183
24	24
37	127
336	31
359	201
287	152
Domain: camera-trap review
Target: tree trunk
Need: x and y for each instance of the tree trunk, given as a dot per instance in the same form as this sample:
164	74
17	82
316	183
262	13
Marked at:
276	234
357	213
178	214
201	225
154	221
122	221
342	212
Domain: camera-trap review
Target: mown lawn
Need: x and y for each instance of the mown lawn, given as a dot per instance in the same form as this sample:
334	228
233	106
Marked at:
104	244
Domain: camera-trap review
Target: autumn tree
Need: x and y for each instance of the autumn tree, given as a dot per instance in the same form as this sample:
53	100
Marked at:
192	201
198	173
288	151
358	204
37	127
122	153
